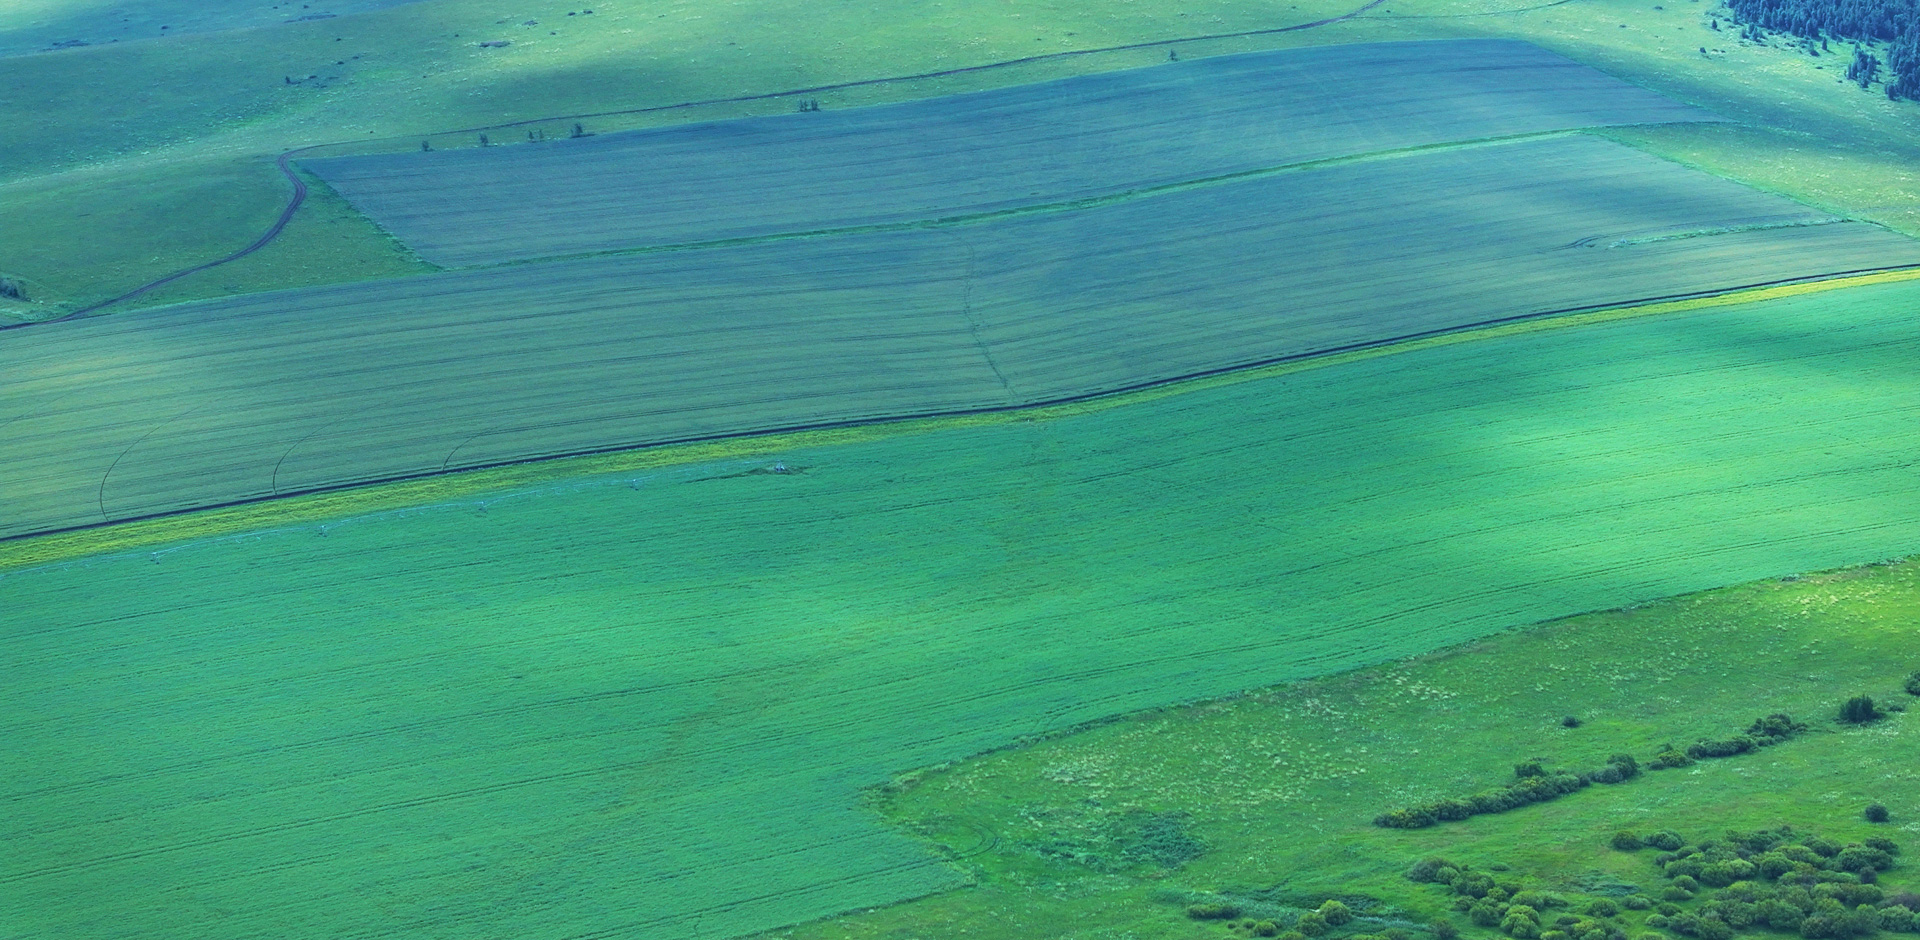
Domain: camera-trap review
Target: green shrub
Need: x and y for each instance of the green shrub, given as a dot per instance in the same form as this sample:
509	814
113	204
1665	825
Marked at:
1668	909
1396	933
1292	935
1857	858
1666	840
1571	721
1555	935
1882	843
1213	911
1722	874
1859	710
1473	884
1776	726
1444	929
1676	894
1738	744
1601	907
1877	813
1686	883
1427	870
1899	919
1636	902
1335	913
1913	684
1772	864
1521	922
1779	915
1311	924
1266	928
1670	758
1527	769
1658	921
1825	848
1485	914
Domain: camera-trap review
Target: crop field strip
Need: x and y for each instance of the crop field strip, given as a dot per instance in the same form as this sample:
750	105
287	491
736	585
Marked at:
648	711
225	401
979	152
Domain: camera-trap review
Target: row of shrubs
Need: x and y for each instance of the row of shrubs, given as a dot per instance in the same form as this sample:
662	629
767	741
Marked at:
1535	784
1765	732
1538	785
1331	914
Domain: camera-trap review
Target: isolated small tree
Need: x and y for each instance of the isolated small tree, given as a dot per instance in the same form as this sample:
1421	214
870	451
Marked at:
579	131
483	140
1913	684
1859	710
12	288
1626	841
426	145
1877	813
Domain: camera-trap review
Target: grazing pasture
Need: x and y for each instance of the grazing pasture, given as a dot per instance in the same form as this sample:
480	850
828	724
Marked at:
646	708
1047	142
30	26
211	403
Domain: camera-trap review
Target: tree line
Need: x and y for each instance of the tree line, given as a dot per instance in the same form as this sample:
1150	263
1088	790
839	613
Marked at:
1895	22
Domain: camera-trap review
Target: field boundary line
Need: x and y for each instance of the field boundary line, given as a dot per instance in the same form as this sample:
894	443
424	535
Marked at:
314	505
299	194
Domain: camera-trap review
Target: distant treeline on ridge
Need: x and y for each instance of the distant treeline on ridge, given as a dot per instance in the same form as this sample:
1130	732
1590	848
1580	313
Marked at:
1890	21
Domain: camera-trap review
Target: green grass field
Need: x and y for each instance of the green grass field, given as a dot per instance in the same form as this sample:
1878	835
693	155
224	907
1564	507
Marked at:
701	698
629	708
1281	784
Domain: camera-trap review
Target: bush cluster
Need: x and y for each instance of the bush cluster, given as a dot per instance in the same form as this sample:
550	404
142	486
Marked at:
1765	732
1819	888
1913	684
1530	915
1329	916
1534	784
1859	710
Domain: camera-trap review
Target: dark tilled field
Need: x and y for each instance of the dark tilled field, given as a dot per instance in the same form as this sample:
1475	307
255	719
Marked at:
1028	145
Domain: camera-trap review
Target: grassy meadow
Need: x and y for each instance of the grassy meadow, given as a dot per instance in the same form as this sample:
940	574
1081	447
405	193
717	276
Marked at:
1280	784
654	702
